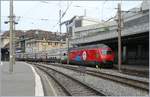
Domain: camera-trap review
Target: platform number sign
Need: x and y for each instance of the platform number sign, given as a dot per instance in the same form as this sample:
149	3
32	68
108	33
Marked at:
84	55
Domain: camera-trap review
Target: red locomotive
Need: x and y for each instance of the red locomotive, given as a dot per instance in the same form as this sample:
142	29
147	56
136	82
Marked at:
92	55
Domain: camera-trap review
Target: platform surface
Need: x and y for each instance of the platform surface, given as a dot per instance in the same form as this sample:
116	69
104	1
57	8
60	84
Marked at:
134	67
19	83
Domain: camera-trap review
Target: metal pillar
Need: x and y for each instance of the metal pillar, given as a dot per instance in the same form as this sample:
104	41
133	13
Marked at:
14	43
119	36
60	32
68	46
11	37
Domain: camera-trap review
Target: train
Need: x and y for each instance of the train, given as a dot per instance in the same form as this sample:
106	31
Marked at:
91	55
52	56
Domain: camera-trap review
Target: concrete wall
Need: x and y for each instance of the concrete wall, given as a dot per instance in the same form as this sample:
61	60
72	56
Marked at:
88	22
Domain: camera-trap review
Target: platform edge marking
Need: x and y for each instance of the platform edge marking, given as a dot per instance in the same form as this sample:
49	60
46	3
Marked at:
38	84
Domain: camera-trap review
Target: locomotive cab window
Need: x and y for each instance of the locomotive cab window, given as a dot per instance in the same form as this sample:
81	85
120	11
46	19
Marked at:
106	52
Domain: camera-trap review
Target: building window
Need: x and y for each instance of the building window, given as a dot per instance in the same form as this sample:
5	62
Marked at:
49	43
61	44
53	44
77	23
56	43
70	29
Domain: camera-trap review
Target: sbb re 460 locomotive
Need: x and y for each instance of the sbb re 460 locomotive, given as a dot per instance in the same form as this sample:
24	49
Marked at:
92	55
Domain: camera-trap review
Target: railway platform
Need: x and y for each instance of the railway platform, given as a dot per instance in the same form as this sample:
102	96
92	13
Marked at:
134	67
140	70
23	81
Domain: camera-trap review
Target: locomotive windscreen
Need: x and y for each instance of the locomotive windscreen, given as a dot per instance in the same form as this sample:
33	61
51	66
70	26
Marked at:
106	52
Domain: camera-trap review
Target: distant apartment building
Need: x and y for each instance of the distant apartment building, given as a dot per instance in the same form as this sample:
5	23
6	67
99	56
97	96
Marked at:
38	40
35	40
4	41
36	46
5	38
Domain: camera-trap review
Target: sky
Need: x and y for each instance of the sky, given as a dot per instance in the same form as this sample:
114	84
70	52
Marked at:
44	15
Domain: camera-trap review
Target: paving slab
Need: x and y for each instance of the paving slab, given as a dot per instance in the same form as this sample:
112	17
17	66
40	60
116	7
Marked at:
19	83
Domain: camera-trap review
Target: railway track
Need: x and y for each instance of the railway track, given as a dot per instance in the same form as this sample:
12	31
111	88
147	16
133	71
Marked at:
70	85
144	85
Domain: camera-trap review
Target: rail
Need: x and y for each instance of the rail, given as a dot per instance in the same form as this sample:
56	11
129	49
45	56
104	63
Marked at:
85	89
121	79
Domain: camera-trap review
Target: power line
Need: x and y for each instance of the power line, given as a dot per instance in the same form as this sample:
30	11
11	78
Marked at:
22	17
64	13
66	10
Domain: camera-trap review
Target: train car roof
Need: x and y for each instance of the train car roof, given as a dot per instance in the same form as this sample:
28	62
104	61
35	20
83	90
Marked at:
90	46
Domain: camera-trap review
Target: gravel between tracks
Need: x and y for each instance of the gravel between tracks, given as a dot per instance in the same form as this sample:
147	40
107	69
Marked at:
110	87
114	72
74	87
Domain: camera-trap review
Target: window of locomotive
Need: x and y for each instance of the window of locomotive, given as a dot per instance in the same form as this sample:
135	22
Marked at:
106	52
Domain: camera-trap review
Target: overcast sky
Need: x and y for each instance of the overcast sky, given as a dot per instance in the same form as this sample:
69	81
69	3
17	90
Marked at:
45	15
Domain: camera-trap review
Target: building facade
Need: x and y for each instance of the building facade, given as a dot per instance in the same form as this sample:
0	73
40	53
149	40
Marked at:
79	21
35	46
35	40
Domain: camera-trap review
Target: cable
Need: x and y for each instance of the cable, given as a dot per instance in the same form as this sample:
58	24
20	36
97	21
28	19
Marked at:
66	10
63	15
102	10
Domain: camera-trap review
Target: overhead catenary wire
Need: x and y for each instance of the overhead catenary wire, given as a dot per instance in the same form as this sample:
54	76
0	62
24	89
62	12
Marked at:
109	7
20	17
66	10
64	13
31	8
